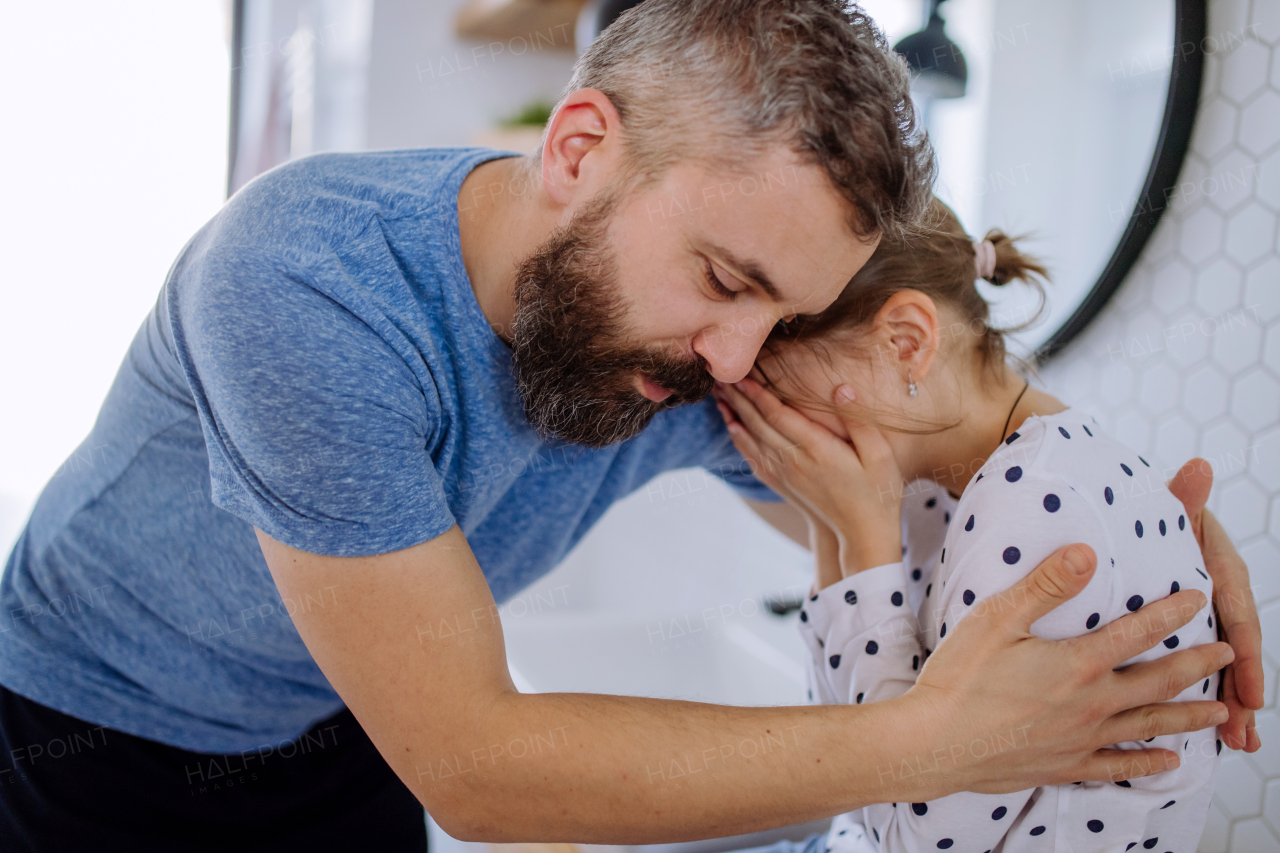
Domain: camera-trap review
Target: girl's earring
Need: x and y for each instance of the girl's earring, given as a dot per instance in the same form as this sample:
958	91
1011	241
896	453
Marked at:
911	385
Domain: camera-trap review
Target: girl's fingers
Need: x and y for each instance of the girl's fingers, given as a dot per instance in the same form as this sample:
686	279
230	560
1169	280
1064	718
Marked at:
766	450
726	412
750	451
868	441
755	422
790	424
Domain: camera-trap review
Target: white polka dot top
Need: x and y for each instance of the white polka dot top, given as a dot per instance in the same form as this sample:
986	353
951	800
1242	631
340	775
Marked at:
1056	480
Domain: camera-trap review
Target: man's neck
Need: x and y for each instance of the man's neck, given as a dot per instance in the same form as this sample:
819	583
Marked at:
500	221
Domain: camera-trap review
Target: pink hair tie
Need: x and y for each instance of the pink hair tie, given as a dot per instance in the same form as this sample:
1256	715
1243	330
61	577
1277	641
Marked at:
984	260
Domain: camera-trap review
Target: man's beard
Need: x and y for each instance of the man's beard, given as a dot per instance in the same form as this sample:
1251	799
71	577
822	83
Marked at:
576	382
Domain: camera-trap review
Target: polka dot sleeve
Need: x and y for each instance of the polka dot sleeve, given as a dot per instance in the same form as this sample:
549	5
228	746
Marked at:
862	636
872	651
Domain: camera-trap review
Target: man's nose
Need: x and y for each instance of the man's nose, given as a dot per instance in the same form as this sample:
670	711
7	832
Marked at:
730	349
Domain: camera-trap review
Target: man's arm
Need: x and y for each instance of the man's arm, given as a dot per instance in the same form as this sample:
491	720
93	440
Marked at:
414	648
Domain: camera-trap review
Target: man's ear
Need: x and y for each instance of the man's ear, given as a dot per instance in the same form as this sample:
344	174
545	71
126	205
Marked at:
581	147
907	325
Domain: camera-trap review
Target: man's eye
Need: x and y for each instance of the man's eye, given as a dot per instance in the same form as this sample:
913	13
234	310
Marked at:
716	284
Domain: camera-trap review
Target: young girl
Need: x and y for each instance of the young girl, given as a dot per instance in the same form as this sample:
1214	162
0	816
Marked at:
934	477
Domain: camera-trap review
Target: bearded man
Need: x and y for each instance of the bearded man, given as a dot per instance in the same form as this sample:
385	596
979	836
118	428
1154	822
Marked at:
380	392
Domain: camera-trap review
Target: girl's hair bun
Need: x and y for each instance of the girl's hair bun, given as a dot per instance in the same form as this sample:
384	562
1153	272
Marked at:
1011	264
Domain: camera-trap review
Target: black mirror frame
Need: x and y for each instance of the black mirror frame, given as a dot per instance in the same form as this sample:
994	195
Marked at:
1185	74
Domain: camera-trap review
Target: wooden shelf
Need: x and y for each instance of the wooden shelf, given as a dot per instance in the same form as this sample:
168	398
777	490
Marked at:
544	24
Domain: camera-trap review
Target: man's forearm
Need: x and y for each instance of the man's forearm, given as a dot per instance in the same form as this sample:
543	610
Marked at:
623	770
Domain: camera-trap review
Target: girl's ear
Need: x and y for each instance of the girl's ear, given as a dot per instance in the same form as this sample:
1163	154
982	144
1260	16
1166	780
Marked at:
907	328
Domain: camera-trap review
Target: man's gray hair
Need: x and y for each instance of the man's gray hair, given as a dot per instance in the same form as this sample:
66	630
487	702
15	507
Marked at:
722	81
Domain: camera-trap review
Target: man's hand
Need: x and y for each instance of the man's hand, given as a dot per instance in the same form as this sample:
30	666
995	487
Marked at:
1053	704
412	643
1242	684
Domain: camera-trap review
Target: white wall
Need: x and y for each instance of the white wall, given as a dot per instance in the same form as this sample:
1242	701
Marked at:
115	149
428	88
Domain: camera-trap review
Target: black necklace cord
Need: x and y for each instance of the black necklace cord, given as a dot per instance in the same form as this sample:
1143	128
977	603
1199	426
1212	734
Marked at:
1015	406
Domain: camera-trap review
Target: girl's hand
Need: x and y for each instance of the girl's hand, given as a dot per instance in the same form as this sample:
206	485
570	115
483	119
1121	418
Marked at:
766	474
854	488
824	544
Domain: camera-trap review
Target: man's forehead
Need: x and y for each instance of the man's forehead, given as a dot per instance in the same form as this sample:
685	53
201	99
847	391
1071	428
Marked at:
776	222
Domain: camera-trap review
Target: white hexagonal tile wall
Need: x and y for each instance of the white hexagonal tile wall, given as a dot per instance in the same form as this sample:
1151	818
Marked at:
1115	385
1217	832
1264	22
1264	462
1264	556
1242	506
1188	338
1270	614
1217	130
1230	183
1255	400
1239	786
1251	233
1271	795
1236	341
1160	388
1205	394
1245	71
1172	291
1260	122
1218	286
1261	290
1267	177
1254	836
1201	235
1176	441
1271	352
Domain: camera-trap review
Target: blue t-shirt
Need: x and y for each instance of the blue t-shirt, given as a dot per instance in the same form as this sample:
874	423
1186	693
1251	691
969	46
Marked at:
316	366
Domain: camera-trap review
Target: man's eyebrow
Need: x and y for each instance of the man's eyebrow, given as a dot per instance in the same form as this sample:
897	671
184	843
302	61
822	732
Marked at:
751	269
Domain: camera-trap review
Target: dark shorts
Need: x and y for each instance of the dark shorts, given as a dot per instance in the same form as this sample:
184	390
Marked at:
69	785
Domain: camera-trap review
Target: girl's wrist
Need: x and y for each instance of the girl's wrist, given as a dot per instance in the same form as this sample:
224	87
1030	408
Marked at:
868	556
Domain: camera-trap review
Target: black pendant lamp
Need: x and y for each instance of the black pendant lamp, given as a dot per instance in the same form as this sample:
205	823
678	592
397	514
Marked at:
937	64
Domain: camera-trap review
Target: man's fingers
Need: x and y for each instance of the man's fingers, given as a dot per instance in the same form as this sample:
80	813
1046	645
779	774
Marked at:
1237	611
1166	718
1191	486
1057	579
1239	731
1133	634
1116	765
1246	641
1164	679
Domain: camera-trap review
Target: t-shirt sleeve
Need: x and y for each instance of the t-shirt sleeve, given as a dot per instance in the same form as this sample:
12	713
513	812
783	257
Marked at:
317	429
